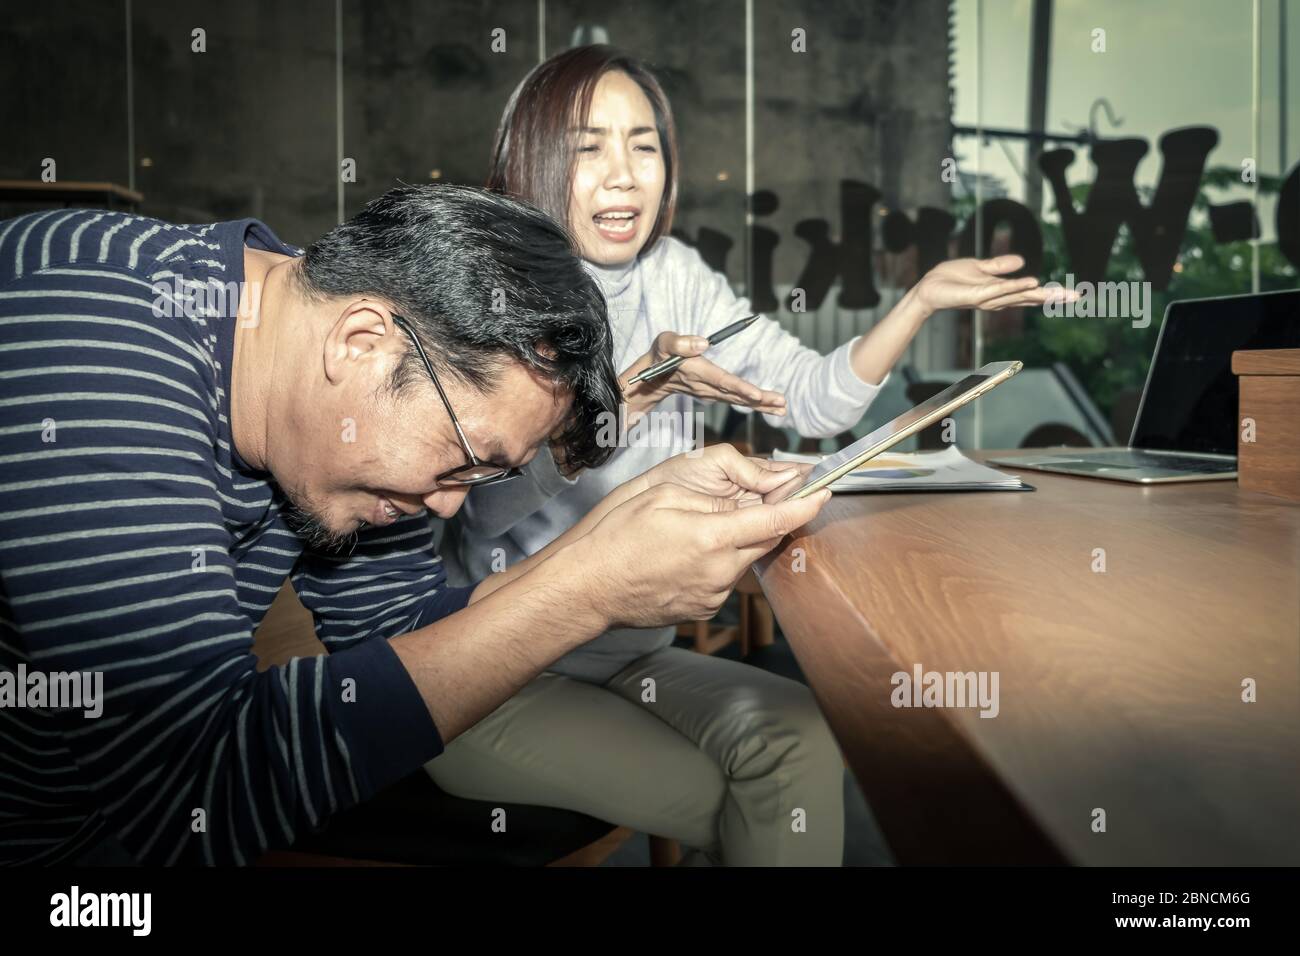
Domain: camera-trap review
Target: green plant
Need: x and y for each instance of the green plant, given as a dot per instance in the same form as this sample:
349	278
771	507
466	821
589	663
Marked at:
1108	355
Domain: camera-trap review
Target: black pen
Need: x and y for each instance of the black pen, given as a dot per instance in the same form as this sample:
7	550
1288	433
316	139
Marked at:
667	365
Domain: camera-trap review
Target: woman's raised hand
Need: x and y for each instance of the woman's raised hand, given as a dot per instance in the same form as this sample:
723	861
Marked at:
977	284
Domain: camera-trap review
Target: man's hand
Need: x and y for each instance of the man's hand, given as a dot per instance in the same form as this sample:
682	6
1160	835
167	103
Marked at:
696	376
673	554
718	472
669	554
722	472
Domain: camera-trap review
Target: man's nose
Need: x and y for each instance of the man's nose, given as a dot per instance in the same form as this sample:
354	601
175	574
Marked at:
445	502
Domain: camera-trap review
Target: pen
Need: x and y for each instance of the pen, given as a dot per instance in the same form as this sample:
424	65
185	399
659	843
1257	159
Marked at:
667	365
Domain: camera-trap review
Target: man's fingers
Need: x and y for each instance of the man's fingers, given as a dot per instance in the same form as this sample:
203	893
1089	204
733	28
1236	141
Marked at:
669	494
787	480
778	464
754	552
755	474
787	487
747	527
791	472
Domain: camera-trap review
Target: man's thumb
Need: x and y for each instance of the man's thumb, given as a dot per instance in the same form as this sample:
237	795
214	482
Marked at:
752	525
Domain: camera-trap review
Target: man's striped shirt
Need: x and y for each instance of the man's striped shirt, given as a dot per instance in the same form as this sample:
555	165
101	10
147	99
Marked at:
134	542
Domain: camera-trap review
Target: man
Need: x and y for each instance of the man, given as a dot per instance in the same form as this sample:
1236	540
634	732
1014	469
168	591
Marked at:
191	414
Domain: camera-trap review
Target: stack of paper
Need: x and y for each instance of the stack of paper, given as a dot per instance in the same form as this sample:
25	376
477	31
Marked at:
947	470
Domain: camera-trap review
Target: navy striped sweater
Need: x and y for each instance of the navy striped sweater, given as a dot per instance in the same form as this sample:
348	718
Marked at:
135	544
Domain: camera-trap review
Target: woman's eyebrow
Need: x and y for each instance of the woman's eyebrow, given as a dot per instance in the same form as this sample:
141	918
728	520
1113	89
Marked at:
602	130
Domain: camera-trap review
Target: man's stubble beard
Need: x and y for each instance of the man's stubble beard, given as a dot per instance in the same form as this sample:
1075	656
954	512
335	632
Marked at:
304	518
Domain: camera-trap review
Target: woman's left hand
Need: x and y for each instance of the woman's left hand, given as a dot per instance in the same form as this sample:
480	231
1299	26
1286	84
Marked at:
696	376
976	284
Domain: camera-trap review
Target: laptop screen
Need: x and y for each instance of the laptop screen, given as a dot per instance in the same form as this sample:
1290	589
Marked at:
1190	400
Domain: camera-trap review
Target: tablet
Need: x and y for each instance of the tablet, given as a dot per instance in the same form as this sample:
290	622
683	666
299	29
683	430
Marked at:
953	397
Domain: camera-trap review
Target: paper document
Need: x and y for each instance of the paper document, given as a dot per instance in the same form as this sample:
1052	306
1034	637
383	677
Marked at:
947	470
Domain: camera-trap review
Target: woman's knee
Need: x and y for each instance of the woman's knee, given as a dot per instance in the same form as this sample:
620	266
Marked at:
783	730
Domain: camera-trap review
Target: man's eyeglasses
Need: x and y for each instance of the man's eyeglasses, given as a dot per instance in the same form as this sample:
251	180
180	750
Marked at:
476	472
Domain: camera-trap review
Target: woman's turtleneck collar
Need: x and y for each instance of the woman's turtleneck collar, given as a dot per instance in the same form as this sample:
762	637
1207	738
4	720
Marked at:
614	280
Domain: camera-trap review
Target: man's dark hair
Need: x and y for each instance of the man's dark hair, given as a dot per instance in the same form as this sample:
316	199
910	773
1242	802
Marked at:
484	279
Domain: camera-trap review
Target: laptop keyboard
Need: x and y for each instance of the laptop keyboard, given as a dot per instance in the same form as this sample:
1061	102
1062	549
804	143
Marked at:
1139	459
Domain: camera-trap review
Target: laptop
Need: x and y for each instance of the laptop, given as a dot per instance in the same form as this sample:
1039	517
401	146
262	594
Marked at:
1186	425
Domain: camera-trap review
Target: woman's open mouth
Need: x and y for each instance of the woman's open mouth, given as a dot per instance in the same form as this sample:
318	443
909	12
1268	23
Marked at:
616	225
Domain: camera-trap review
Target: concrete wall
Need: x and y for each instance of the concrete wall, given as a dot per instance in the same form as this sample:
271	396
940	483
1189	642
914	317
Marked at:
248	127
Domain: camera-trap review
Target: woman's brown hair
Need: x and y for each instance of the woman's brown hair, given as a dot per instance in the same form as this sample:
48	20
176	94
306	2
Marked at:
532	158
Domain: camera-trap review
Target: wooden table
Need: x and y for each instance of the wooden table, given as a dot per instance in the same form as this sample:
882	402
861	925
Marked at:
1120	691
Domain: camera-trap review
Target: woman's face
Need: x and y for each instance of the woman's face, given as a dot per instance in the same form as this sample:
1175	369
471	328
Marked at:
618	175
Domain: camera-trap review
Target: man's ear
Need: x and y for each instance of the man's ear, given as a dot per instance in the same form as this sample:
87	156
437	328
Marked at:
362	337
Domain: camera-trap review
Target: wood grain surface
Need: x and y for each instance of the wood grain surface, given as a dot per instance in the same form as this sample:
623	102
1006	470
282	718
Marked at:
1119	690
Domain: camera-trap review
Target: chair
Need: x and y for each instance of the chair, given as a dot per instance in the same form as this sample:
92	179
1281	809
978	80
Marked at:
755	629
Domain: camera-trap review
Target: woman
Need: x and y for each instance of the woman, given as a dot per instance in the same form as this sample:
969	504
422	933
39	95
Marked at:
735	763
